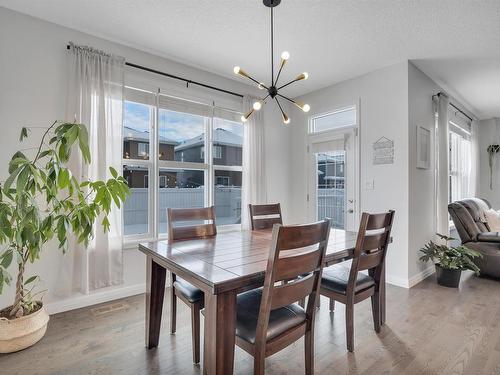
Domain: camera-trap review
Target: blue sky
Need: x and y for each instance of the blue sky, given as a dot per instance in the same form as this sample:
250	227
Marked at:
174	126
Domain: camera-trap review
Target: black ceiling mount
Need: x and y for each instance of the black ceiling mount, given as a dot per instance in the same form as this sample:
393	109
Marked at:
271	3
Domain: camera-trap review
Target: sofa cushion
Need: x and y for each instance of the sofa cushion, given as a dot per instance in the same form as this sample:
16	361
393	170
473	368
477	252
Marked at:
493	220
489	237
477	209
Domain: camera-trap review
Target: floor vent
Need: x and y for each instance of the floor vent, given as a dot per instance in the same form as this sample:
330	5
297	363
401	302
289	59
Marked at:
109	308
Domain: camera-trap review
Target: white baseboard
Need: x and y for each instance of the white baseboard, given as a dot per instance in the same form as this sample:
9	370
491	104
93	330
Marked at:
414	280
94	298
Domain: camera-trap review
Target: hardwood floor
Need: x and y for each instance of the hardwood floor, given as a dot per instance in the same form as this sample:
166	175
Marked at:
429	330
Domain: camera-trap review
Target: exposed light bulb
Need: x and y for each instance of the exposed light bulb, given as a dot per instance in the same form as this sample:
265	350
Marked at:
257	105
236	70
285	55
302	76
306	75
306	107
286	119
245	117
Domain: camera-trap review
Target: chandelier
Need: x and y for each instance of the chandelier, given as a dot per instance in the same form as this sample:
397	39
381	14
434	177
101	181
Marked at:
273	90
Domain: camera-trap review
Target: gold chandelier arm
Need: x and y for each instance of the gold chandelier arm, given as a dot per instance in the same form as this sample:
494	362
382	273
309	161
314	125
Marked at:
286	119
300	77
282	64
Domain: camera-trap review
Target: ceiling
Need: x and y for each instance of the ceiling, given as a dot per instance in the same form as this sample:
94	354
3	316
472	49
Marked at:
455	42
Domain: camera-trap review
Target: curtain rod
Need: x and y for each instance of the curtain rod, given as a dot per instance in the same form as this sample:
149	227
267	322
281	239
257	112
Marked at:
454	106
188	81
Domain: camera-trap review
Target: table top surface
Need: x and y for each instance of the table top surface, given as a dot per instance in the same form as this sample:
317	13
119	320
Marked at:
231	260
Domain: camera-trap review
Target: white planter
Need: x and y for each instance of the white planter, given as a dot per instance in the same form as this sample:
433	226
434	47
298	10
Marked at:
21	333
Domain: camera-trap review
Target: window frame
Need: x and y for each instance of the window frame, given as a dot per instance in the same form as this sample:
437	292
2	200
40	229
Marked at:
341	109
154	165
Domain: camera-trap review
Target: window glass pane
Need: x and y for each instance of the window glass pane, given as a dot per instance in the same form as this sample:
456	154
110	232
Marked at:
227	197
181	136
136	125
335	120
179	188
135	209
331	192
227	140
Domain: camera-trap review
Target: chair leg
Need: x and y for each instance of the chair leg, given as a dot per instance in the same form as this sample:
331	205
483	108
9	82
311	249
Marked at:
309	352
173	308
376	311
349	321
259	364
195	332
318	301
332	304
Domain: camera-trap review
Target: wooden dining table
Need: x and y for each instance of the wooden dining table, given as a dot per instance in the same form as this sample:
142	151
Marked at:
221	266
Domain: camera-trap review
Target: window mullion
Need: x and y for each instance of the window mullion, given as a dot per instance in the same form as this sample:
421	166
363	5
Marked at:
154	209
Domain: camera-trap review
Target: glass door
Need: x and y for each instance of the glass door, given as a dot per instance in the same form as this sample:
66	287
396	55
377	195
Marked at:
332	179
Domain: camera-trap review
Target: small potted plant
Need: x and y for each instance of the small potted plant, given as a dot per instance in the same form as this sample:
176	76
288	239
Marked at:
41	200
450	261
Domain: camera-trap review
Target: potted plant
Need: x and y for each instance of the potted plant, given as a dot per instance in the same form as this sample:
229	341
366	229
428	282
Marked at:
450	261
39	201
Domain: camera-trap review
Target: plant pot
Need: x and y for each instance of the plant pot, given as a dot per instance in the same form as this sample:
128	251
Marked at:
21	333
447	277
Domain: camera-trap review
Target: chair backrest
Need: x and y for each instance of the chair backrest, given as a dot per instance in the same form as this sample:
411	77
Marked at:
264	216
371	248
191	230
297	250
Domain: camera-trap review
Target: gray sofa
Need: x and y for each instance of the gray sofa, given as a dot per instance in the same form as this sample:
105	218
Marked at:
470	222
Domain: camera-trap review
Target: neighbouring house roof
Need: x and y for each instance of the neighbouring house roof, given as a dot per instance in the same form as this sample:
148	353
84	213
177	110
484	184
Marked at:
221	137
131	134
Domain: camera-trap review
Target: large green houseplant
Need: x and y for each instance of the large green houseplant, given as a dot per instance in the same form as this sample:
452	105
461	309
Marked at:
450	261
41	200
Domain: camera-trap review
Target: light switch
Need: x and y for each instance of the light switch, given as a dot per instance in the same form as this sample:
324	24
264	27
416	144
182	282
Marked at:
369	185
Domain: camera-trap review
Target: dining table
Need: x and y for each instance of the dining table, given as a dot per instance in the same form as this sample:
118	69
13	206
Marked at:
222	266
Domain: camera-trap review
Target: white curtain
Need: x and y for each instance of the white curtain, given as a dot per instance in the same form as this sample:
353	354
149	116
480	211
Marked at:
254	167
474	173
441	163
95	98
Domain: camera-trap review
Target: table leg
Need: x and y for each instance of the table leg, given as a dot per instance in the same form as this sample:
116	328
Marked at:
220	326
382	296
155	290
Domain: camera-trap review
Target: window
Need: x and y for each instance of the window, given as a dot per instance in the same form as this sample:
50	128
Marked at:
338	119
460	163
199	155
143	150
217	150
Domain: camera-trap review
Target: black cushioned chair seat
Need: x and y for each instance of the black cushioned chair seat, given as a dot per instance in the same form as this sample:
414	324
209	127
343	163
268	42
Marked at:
336	278
280	320
489	237
189	291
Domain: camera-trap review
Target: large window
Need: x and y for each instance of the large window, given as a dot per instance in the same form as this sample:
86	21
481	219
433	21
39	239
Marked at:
460	163
199	154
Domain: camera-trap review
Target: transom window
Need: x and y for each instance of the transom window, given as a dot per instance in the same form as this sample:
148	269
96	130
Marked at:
199	160
338	119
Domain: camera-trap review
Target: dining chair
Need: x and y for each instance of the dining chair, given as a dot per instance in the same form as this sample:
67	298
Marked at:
350	286
268	319
264	216
186	292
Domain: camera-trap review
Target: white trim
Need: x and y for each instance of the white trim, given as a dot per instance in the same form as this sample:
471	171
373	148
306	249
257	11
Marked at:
412	281
84	300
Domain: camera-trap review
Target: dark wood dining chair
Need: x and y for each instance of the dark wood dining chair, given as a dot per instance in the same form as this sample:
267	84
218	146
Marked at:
186	292
269	319
264	216
350	286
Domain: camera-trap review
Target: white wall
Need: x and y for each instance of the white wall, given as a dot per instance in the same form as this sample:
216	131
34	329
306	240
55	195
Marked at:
422	210
33	66
383	97
489	133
